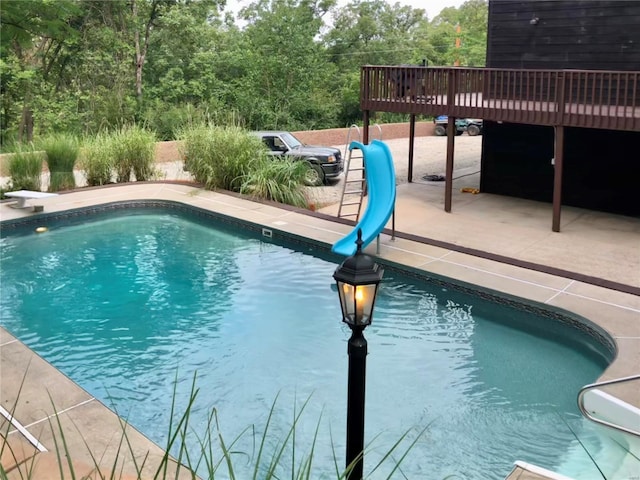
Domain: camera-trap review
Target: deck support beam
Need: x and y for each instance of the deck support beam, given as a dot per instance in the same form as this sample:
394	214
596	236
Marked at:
558	162
448	187
412	137
365	126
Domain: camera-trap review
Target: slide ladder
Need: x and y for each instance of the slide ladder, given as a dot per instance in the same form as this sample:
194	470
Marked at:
354	187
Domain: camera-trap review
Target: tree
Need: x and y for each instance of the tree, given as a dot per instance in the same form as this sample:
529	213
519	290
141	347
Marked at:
372	32
288	80
34	35
375	33
471	18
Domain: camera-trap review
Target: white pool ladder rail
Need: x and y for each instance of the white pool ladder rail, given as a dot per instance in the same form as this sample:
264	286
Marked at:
616	411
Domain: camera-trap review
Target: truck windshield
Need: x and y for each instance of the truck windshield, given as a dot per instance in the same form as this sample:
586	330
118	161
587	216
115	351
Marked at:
290	140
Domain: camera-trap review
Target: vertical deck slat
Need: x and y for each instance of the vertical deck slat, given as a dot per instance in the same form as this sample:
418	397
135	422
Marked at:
549	97
600	95
625	99
635	103
593	100
616	116
573	95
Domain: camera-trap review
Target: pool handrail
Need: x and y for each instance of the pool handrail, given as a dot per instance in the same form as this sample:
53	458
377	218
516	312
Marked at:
588	415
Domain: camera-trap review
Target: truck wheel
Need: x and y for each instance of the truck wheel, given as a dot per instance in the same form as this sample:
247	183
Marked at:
440	131
314	176
473	130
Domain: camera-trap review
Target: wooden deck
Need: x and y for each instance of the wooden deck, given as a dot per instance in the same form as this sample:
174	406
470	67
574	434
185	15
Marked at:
573	98
558	98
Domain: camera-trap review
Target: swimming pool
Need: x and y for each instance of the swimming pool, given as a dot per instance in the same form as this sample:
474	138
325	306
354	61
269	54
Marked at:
256	319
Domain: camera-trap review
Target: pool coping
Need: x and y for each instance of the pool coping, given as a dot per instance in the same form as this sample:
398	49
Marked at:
611	310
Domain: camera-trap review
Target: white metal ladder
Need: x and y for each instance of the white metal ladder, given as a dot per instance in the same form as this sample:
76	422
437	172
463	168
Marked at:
354	187
588	414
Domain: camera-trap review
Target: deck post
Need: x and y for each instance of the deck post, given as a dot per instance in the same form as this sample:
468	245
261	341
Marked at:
558	160
448	186
558	150
451	135
412	136
365	125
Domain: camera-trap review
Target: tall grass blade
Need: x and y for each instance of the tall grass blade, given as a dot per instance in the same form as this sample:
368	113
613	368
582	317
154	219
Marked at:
305	471
275	460
575	435
174	434
406	452
226	452
64	447
264	438
5	436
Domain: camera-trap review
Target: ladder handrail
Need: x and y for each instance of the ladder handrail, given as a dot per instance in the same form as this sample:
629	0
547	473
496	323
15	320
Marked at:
357	129
586	414
377	125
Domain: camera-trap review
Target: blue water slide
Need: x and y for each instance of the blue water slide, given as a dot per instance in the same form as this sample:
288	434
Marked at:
381	185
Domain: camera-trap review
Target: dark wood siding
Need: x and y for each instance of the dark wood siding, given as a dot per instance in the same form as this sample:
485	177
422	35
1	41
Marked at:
584	34
602	167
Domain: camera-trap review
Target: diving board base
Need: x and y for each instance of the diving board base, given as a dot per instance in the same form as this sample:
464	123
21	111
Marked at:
22	196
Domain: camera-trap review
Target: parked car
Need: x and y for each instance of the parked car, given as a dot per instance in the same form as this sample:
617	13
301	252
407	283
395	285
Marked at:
473	126
324	162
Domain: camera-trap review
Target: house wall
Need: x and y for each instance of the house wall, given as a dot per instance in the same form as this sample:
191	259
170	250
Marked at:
600	165
577	34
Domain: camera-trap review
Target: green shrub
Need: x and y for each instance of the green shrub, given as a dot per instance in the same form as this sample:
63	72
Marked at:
220	157
62	152
134	153
281	181
97	159
25	169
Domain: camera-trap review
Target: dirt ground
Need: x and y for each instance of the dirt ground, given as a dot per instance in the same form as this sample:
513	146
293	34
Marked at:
169	151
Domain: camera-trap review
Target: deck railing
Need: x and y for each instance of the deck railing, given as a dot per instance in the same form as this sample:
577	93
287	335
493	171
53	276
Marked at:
578	98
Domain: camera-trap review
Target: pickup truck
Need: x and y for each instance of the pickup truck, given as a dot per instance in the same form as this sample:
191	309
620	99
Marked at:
324	162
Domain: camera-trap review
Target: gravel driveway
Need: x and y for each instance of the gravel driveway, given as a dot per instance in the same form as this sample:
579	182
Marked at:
429	158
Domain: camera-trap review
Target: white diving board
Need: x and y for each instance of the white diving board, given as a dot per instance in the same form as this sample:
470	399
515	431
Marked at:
23	195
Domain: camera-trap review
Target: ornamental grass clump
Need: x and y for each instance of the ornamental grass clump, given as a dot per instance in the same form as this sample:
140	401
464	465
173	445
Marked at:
61	150
25	169
97	159
280	181
220	157
134	153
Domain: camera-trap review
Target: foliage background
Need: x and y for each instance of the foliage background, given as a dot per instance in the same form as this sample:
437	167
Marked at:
83	66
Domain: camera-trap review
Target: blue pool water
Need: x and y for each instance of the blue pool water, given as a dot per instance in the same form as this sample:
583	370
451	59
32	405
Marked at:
124	304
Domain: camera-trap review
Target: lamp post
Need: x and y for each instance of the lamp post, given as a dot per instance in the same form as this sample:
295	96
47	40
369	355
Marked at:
358	278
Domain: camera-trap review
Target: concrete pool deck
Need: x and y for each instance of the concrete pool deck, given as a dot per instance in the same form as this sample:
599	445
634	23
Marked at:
591	268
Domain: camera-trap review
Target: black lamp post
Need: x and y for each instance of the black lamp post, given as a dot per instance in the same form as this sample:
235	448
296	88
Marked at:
358	278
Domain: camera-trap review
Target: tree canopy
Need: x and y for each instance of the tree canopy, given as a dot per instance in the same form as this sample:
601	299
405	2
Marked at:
86	65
